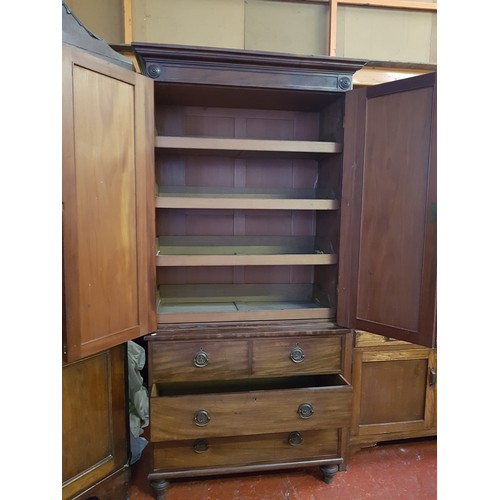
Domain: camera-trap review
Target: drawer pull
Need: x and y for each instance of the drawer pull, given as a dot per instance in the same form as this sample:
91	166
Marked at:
294	439
201	417
200	359
305	410
200	445
297	355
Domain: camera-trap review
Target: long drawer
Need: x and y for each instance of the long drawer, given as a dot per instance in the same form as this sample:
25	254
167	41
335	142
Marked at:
178	361
187	411
243	450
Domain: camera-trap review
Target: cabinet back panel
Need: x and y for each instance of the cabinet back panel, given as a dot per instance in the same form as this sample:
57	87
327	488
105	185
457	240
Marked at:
233	275
241	97
224	171
178	222
237	123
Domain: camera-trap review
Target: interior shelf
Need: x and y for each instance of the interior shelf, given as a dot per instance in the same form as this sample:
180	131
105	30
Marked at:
238	302
243	198
241	251
246	146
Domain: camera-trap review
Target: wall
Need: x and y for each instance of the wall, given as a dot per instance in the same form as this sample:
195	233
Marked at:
104	18
302	27
381	34
251	24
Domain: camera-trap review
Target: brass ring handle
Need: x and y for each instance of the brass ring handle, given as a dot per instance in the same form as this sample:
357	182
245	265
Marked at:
200	359
297	354
201	417
294	439
200	445
305	410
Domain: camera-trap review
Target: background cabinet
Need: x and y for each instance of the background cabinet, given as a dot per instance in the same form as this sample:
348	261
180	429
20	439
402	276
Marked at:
394	390
95	427
107	297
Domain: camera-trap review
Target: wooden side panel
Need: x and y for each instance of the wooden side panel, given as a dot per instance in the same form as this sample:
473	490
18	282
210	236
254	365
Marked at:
108	290
94	416
387	256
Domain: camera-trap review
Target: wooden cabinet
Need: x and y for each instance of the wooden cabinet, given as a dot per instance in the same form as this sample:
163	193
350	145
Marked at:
107	276
288	209
394	390
248	370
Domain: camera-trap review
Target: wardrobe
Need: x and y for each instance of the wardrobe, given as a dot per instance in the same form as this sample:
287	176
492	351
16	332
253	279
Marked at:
250	216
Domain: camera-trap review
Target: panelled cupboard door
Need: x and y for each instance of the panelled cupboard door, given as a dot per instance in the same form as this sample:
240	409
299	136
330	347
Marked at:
394	392
107	186
387	255
94	421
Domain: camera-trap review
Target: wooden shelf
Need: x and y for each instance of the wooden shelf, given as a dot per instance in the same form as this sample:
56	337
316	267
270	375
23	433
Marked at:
242	147
241	251
237	302
244	199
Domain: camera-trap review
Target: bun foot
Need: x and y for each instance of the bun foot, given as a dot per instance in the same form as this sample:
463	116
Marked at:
159	486
328	472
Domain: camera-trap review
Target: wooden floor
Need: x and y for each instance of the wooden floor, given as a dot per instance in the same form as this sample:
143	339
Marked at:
399	470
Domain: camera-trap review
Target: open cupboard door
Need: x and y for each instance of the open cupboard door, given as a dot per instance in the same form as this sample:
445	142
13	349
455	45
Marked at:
387	255
107	185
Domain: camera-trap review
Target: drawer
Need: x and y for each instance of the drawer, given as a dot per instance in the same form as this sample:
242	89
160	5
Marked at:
183	411
237	451
297	356
197	360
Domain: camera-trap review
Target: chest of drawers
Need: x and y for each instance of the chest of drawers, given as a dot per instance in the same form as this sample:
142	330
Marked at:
235	398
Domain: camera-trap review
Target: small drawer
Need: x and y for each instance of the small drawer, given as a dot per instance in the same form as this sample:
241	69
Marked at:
197	360
234	451
297	356
186	411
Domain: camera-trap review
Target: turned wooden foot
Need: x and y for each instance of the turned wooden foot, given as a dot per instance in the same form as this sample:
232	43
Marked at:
328	472
160	487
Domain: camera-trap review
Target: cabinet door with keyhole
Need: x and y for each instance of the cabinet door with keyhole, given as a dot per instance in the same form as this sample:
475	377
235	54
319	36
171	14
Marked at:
394	391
